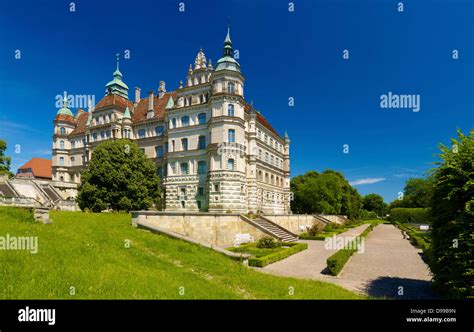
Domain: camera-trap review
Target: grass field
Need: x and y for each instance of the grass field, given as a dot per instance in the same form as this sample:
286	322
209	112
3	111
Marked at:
86	254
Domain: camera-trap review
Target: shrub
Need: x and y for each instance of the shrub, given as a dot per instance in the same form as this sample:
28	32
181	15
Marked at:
331	227
313	230
367	215
410	215
292	249
336	262
268	242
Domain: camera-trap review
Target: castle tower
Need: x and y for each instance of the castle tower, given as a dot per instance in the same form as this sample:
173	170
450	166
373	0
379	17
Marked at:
64	124
227	151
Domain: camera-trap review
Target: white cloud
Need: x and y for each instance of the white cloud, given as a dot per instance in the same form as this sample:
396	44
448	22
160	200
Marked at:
366	181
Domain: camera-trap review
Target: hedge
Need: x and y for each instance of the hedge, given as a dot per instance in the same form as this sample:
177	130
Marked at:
336	262
275	257
415	239
410	215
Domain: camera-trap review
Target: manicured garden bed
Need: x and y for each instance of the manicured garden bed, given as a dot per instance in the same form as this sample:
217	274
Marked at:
264	256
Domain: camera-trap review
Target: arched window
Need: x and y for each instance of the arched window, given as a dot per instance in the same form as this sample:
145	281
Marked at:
260	176
94	136
102	135
61	145
230	164
73	144
202	142
159	130
108	134
141	133
201	167
184	144
72	161
231	136
231	87
202	118
61	161
230	110
184	168
62	131
173	123
185	121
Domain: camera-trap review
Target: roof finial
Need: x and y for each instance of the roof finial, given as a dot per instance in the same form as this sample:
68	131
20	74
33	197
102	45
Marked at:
118	59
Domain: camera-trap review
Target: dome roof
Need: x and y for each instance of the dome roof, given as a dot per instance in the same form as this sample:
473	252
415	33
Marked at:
64	110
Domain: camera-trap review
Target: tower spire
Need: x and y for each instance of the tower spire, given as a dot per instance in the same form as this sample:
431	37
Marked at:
228	43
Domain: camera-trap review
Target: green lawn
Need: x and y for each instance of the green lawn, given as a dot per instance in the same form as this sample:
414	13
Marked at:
87	251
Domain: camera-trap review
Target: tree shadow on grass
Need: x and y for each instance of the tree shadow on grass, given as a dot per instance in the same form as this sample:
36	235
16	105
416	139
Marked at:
389	287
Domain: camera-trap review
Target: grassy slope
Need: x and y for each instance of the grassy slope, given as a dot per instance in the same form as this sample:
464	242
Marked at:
88	251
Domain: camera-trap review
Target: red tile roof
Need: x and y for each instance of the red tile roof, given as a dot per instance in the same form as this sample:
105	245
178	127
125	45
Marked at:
41	168
262	120
139	114
64	118
113	100
80	124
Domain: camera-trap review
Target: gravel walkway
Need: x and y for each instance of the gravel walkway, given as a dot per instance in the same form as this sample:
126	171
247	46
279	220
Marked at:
387	263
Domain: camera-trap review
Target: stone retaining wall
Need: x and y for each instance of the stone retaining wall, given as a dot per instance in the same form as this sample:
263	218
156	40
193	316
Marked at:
215	229
295	223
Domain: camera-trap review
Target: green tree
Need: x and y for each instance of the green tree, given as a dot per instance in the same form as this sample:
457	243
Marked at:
452	214
119	177
328	192
4	160
417	192
374	203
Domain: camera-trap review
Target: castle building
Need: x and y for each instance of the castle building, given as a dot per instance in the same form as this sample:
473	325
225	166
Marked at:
213	150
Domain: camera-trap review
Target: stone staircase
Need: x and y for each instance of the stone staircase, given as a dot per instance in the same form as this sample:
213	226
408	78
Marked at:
276	230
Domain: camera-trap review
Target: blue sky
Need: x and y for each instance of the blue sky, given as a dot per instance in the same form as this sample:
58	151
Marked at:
283	54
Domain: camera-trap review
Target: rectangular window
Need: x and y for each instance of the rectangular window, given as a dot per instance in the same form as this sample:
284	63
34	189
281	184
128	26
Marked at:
231	136
184	144
159	151
202	167
202	142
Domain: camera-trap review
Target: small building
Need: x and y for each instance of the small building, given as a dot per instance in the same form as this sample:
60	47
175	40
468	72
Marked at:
36	168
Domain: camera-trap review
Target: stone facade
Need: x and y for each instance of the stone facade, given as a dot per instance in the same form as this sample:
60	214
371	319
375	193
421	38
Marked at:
214	151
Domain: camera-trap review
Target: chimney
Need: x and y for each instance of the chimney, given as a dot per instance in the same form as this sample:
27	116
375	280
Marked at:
161	89
137	94
151	112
